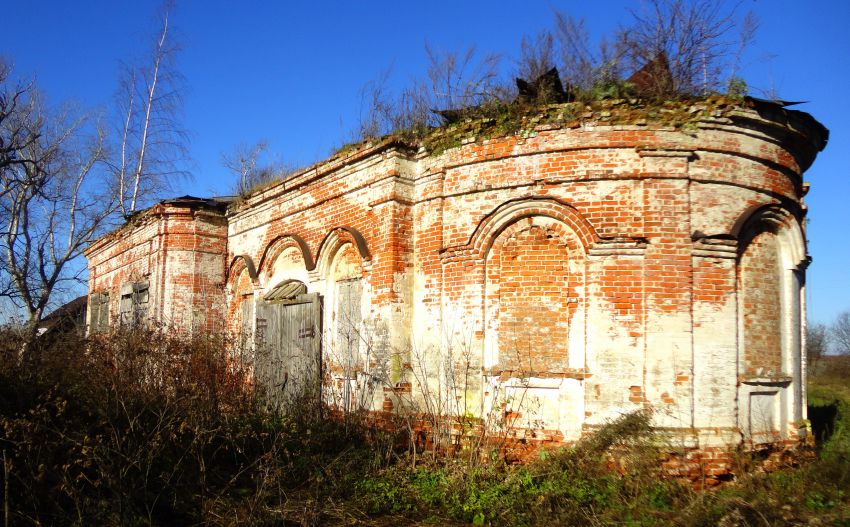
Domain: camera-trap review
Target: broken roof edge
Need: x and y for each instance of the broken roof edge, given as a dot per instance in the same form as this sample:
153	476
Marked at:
339	160
676	112
807	133
217	204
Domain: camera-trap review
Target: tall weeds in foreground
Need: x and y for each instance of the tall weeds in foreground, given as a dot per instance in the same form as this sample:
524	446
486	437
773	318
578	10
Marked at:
140	428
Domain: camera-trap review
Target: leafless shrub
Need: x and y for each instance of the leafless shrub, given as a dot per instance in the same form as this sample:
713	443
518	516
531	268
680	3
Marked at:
461	79
698	39
252	169
536	55
581	66
453	81
840	333
817	343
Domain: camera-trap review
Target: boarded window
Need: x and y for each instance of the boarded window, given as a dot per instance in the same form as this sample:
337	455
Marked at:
348	319
246	329
762	306
532	287
763	419
134	303
99	312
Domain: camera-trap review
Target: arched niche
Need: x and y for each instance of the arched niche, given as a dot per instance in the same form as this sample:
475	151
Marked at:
334	240
507	214
240	263
282	243
343	264
285	258
242	281
771	279
534	296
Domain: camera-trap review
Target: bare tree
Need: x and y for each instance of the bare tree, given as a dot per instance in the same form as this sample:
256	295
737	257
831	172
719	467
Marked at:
462	80
582	65
536	55
817	343
454	81
840	333
152	143
697	38
55	196
252	171
61	184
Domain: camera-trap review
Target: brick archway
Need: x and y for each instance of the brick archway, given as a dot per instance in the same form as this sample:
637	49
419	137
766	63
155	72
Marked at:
533	295
510	212
770	289
334	240
280	244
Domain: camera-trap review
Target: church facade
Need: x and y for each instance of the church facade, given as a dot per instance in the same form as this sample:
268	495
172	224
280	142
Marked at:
611	257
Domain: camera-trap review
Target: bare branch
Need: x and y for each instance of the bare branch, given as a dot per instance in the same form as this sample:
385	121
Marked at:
537	55
252	171
56	196
840	333
453	80
697	38
152	143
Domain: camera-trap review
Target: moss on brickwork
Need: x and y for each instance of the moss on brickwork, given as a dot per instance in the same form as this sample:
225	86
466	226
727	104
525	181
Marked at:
497	120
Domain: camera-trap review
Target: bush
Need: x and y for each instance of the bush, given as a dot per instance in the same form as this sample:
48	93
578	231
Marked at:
139	427
142	428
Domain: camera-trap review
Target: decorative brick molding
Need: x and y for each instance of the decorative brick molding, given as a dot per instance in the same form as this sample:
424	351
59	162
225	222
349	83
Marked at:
617	257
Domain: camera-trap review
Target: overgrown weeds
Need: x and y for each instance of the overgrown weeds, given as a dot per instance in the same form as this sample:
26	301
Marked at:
140	428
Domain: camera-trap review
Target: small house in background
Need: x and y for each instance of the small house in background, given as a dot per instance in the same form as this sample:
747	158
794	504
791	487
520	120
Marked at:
68	318
614	256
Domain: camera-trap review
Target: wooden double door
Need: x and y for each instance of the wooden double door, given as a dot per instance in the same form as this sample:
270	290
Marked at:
289	351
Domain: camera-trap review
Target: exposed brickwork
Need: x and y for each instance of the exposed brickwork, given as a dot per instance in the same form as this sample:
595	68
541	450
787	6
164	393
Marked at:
179	249
530	272
557	278
761	306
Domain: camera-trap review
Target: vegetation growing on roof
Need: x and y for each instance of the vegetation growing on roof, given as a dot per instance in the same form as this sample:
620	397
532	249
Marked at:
670	49
672	52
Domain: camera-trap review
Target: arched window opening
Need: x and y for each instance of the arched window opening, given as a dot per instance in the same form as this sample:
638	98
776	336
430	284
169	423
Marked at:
244	310
346	319
770	310
762	306
531	295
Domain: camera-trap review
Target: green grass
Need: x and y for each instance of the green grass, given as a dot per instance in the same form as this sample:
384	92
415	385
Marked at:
141	429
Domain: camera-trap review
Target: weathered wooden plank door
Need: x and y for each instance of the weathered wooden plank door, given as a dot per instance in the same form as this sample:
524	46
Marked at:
246	333
348	321
289	363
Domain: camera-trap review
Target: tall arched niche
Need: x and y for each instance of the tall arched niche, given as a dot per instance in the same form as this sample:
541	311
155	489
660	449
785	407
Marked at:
771	288
534	291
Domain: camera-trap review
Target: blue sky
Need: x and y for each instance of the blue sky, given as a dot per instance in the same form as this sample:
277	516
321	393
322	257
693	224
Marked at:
292	74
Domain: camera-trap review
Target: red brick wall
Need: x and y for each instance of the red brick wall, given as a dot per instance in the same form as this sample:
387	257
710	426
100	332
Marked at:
761	304
180	250
577	250
531	275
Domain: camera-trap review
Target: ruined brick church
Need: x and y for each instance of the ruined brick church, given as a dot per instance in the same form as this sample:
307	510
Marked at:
611	256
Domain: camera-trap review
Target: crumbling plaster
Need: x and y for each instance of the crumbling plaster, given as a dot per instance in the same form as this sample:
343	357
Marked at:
655	220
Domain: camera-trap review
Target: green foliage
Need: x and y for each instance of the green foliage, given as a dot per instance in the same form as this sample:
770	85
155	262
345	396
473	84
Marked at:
144	429
737	88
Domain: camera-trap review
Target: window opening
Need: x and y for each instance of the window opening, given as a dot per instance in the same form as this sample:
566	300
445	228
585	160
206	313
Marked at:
99	312
134	303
